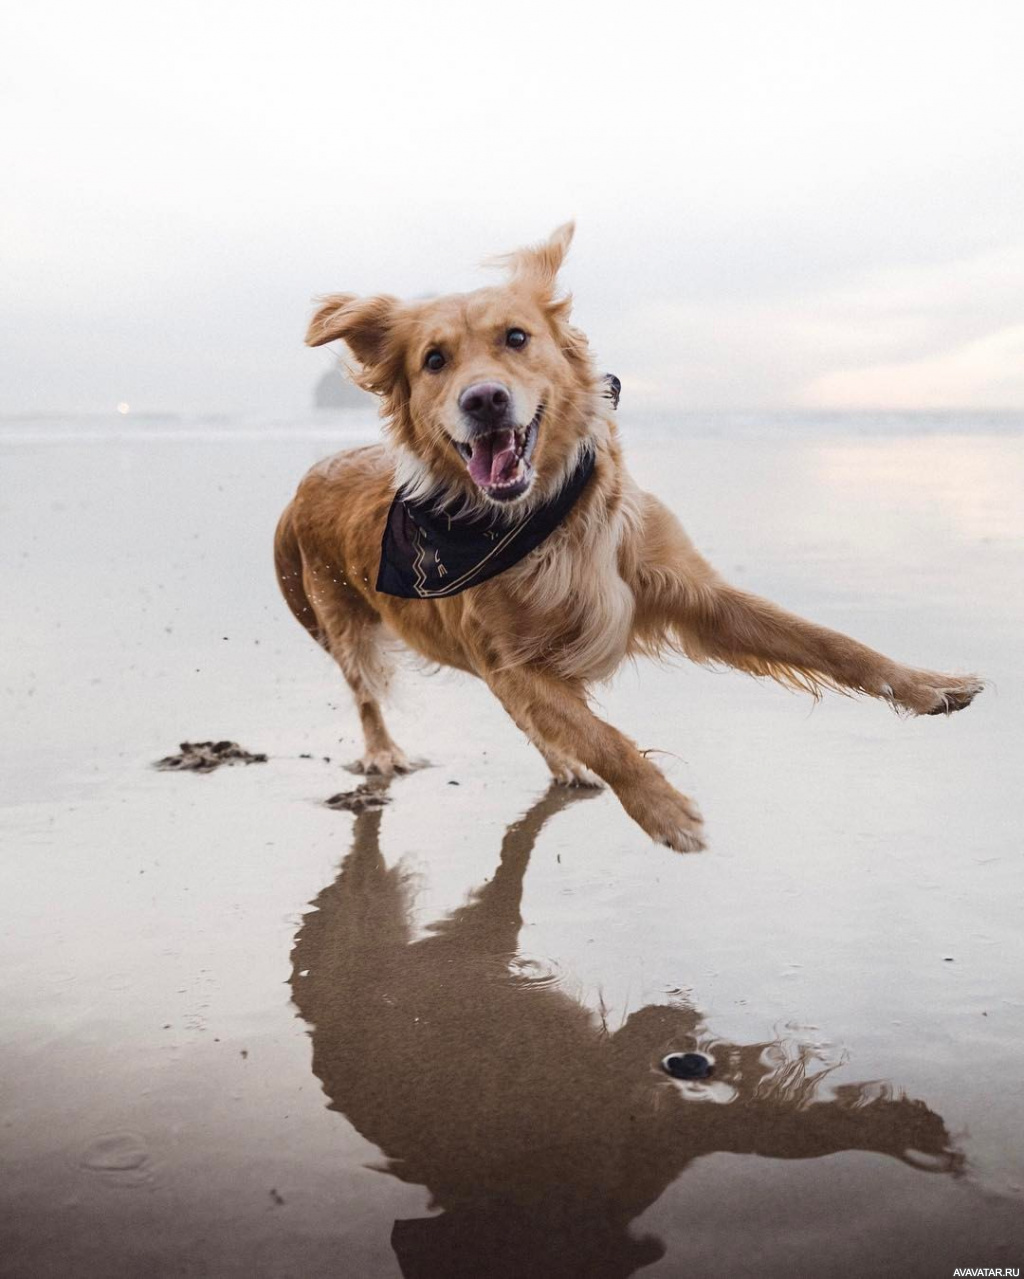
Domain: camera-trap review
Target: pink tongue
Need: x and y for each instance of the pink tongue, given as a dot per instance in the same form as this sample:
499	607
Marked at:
493	460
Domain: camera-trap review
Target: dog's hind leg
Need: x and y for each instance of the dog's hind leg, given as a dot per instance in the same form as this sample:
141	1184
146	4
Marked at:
342	622
359	653
290	567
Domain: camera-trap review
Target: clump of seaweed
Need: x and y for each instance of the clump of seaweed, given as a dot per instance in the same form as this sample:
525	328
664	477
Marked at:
204	757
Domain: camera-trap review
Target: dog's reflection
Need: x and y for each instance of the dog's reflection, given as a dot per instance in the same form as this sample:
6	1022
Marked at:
540	1133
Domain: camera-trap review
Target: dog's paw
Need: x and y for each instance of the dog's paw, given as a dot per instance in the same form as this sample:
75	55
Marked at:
566	771
574	775
955	694
382	763
929	693
683	839
668	816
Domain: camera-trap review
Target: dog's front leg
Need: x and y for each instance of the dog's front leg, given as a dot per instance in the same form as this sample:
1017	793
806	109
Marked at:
755	635
682	599
555	714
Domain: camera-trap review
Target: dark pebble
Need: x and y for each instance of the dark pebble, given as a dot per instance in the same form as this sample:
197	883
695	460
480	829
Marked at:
687	1065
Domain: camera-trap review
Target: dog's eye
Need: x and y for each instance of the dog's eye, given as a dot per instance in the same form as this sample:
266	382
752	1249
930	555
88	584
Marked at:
434	361
516	339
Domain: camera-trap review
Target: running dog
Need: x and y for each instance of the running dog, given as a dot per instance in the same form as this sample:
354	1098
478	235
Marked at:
498	531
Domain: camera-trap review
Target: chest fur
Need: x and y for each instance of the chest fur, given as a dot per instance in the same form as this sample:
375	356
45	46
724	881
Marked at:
575	608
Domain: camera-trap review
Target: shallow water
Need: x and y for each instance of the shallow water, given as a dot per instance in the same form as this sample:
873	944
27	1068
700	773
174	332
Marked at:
245	1034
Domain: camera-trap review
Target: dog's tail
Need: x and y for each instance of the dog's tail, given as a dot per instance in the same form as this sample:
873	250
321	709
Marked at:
289	565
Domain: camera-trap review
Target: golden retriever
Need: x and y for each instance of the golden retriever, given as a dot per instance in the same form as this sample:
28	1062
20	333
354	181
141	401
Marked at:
492	409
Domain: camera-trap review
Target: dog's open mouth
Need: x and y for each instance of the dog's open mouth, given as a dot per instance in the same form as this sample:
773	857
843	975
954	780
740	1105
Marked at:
499	461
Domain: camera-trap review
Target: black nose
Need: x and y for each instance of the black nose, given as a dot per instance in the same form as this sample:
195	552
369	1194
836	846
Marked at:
485	402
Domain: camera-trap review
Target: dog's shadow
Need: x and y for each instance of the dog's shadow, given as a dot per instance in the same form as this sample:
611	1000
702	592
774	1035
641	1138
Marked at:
539	1133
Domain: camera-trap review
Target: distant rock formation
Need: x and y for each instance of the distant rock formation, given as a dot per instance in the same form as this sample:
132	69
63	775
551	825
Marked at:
334	391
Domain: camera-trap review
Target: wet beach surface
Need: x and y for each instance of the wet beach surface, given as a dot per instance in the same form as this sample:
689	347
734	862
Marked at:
245	1033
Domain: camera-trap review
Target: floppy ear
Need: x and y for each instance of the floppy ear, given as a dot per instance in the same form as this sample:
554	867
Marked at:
364	323
538	264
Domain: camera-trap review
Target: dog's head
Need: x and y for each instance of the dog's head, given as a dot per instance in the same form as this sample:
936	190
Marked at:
490	395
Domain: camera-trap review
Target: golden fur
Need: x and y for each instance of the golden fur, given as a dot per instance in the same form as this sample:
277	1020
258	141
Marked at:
619	577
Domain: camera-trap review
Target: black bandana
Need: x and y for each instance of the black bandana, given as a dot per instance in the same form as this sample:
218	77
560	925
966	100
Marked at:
427	554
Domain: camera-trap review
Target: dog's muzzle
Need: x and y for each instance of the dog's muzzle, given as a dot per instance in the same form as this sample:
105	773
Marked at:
498	454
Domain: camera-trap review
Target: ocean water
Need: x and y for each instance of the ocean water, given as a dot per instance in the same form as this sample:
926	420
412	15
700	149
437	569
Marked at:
356	424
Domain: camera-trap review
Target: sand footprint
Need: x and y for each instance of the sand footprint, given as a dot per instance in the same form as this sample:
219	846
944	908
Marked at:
120	1158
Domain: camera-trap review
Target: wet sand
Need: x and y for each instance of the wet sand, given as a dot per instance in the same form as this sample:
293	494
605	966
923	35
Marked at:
245	1033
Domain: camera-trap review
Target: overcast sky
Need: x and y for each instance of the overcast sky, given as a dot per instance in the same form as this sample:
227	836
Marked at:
778	204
